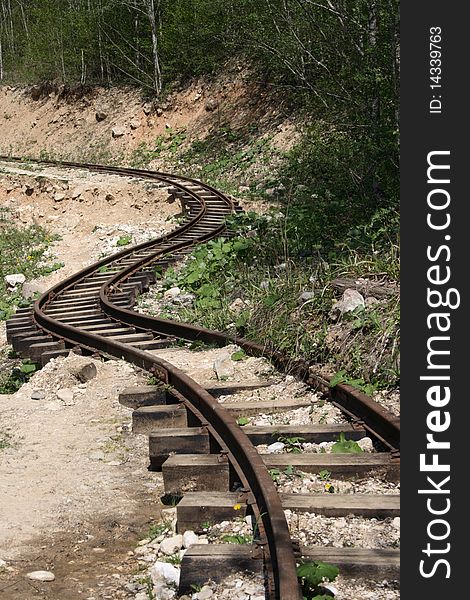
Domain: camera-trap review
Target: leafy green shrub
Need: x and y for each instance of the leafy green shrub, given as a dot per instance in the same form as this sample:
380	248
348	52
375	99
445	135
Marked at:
312	574
207	262
9	384
344	446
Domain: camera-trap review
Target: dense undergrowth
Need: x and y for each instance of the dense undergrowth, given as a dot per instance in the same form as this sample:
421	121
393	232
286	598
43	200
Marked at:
333	215
254	285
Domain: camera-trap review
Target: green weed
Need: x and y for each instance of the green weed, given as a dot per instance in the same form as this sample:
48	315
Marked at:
312	574
292	444
238	538
346	446
5	440
124	240
11	383
158	529
22	250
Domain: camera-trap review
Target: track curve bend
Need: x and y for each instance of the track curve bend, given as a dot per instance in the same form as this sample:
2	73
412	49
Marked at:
92	309
81	310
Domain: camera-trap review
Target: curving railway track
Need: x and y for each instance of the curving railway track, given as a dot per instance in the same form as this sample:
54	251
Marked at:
93	310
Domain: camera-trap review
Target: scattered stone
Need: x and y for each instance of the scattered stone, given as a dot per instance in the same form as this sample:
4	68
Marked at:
3	563
135	124
147	108
328	589
244	188
159	112
396	522
35	93
98	455
15	279
163	592
351	300
38	396
275	447
211	105
118	131
172	293
65	395
189	539
77	192
223	367
100	115
172	545
251	590
144	542
41	576
237	305
370	301
164	572
83	372
184	299
305	296
205	593
168	514
59	196
366	444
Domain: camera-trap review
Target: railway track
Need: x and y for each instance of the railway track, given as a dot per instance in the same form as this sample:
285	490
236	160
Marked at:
189	430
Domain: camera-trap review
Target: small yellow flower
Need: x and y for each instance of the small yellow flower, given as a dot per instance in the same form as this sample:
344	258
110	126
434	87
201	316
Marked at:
30	257
237	506
327	486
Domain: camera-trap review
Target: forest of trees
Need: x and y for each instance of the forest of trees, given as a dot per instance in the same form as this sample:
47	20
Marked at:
337	59
337	50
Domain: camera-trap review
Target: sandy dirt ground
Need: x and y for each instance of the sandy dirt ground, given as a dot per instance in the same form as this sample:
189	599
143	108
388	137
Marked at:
76	493
88	211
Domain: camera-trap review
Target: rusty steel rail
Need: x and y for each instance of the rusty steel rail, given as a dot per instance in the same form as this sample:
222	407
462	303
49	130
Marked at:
206	221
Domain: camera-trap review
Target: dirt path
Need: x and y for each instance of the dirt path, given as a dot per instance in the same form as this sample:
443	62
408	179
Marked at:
76	493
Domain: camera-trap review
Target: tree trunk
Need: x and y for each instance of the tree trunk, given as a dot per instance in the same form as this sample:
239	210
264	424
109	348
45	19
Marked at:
157	74
1	59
